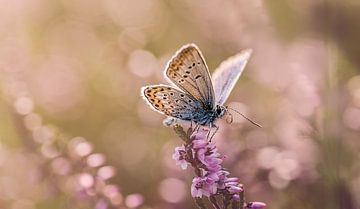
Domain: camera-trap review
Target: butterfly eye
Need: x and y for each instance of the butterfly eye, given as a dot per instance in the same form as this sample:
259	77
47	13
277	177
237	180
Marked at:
218	110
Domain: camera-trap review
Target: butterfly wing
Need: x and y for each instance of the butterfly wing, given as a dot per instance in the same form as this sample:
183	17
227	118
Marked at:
172	102
188	70
227	74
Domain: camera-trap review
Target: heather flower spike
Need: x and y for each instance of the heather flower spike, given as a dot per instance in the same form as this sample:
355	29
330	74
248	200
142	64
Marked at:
212	181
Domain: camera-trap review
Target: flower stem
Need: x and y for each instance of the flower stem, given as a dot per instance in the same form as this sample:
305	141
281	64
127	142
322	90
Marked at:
214	202
200	203
242	197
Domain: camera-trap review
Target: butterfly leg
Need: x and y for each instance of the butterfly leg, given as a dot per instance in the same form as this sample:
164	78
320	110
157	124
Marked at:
208	135
197	127
213	134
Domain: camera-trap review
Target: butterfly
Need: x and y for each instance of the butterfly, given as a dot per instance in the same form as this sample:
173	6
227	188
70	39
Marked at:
195	96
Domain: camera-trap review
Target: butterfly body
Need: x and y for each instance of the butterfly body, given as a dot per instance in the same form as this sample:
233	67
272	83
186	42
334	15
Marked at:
208	117
194	98
174	103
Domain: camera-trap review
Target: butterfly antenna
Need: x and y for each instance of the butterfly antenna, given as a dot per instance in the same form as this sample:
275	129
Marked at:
251	121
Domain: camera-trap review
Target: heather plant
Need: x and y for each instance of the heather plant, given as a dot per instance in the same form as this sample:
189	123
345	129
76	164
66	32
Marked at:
211	181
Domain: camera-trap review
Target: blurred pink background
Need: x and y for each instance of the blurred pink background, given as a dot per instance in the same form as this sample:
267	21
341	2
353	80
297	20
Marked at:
75	133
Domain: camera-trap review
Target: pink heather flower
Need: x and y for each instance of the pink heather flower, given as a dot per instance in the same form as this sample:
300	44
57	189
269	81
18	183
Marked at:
211	179
222	178
203	186
232	179
236	197
198	144
256	205
212	164
179	157
234	189
200	154
199	135
231	183
209	159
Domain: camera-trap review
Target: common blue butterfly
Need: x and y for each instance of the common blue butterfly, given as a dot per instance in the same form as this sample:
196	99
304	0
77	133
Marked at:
196	96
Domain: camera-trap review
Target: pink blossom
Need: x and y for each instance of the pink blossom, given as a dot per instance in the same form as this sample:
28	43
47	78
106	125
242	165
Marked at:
211	177
236	197
213	164
234	189
233	179
256	205
222	178
179	157
203	186
198	144
209	159
199	135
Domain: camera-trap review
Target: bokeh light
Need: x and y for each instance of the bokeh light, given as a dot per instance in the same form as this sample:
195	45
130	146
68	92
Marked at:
177	188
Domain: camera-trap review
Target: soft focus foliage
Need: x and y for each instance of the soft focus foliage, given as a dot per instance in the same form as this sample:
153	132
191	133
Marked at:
75	133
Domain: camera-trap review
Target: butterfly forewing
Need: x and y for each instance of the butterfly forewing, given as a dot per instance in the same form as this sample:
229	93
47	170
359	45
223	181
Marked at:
227	74
188	70
171	102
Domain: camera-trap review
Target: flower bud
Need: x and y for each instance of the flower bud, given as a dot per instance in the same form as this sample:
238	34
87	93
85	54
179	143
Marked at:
255	205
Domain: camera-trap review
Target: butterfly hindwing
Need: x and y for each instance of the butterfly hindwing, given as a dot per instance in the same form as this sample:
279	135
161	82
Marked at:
188	70
171	102
227	74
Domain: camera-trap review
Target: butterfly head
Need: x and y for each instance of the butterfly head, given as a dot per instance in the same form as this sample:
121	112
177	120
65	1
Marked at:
220	111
